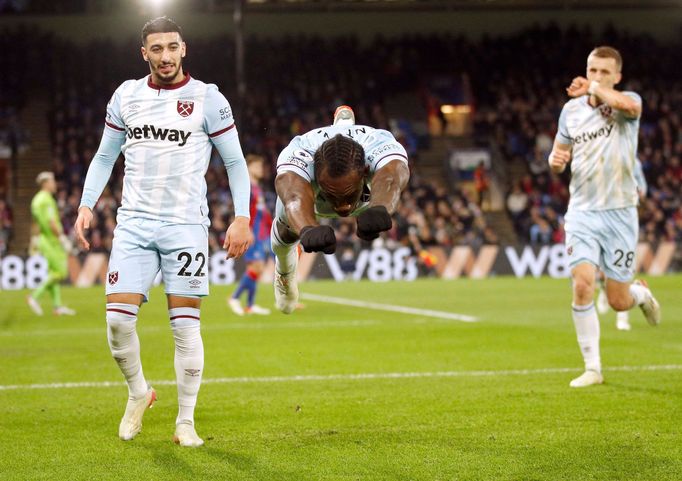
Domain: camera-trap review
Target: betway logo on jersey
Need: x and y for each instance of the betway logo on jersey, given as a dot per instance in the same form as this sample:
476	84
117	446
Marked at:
587	136
152	132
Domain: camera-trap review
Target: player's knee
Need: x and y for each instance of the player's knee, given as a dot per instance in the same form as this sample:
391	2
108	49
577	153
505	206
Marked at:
583	289
620	303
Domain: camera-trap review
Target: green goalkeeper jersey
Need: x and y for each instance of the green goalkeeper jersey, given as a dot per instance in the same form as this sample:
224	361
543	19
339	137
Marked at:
44	210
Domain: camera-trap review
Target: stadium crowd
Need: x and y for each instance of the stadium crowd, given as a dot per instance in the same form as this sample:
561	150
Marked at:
516	109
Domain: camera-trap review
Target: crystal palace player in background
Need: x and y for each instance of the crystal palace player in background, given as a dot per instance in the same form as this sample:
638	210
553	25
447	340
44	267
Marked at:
336	171
259	252
166	125
597	133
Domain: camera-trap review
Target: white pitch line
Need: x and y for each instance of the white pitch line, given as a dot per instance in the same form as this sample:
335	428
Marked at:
389	307
346	377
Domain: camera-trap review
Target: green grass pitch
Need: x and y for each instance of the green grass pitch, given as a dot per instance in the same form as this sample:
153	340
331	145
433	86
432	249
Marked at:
487	400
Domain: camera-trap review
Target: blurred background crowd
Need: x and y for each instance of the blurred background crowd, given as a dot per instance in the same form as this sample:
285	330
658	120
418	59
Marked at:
514	102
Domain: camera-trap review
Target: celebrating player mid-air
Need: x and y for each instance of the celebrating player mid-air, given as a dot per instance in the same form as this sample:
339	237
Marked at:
598	134
166	125
336	171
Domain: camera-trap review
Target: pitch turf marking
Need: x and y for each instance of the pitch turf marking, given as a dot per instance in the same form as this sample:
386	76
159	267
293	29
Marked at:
347	377
388	307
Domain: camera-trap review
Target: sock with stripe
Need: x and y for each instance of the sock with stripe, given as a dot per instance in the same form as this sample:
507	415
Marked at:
189	359
638	293
125	345
286	255
587	329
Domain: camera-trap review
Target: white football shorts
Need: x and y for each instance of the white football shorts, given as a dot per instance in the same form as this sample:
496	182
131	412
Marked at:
142	247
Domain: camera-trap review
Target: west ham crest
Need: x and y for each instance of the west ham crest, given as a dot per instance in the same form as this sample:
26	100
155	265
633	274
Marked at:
185	107
113	278
606	111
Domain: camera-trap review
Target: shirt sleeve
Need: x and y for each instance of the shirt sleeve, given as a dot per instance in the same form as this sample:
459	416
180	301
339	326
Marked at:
218	118
294	158
113	118
562	135
634	96
229	148
381	148
102	165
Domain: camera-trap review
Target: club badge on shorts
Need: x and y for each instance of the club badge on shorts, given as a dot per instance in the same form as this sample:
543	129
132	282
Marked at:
185	107
113	278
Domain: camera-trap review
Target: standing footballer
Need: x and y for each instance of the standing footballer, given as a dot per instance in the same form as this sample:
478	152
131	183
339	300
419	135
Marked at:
598	134
52	244
166	125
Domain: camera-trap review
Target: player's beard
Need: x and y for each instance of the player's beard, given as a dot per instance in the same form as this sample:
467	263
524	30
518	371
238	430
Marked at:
172	76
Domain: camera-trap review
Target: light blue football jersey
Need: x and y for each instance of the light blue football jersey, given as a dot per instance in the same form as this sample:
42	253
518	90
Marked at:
604	153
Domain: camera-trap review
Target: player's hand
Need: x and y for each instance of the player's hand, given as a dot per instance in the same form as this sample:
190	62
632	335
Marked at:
372	222
318	238
238	237
558	159
578	87
82	224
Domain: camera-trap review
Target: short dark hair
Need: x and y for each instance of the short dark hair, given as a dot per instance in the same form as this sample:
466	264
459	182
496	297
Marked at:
605	51
338	156
160	25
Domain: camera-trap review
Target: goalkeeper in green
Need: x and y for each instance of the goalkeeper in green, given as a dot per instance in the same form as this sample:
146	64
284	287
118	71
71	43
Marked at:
52	244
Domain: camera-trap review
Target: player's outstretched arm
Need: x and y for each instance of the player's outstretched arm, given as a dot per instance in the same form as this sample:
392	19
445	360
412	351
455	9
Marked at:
298	198
629	106
559	157
387	184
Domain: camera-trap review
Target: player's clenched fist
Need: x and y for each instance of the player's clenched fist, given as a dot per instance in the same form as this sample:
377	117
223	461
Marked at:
372	222
579	87
318	238
558	159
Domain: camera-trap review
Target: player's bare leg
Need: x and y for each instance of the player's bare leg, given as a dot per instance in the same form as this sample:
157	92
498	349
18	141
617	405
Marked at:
121	316
586	324
624	296
189	365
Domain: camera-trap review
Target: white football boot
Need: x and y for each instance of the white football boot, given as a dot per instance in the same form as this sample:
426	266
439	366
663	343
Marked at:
344	115
256	309
64	311
35	307
236	306
131	424
588	378
185	435
650	308
286	292
623	321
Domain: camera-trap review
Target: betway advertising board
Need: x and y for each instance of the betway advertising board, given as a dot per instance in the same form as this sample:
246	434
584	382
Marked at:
377	264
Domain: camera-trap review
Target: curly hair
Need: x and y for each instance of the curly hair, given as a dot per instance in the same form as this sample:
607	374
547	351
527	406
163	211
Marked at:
338	156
